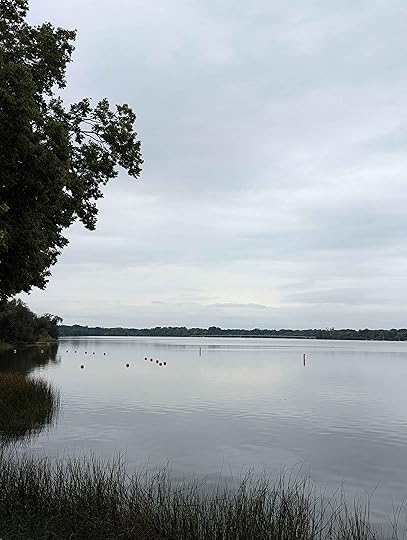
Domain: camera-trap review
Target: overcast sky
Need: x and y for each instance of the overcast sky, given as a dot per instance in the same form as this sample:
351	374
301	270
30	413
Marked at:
273	192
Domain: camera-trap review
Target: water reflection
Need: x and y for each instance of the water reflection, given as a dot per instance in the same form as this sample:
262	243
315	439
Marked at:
27	359
243	402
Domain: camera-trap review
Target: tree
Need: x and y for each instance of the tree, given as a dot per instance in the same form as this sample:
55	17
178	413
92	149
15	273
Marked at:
18	324
53	159
47	326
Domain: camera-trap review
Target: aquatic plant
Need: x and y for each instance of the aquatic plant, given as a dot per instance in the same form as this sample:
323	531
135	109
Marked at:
91	498
27	405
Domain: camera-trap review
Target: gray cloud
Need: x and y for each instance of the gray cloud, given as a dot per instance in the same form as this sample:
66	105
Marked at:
273	192
238	306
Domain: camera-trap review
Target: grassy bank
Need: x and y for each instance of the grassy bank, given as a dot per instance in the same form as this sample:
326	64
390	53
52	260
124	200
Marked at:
26	405
86	498
4	346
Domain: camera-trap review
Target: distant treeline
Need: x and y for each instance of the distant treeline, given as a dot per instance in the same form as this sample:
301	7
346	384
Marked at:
214	331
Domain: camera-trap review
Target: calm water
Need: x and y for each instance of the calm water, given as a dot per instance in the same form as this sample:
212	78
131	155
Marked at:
241	403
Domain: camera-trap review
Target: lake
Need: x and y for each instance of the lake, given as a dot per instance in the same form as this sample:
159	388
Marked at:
221	406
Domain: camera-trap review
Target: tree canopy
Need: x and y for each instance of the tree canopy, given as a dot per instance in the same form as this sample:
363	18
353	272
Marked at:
18	324
54	158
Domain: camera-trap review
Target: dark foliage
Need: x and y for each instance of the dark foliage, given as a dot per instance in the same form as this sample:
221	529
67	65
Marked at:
18	324
53	159
215	331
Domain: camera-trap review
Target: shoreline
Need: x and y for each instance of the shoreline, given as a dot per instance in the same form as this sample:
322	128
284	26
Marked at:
91	497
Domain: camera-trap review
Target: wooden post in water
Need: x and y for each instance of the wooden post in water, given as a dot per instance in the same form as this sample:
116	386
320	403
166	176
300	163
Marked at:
200	351
303	357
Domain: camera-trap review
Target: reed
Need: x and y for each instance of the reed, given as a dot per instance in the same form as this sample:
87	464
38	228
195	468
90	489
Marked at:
91	498
27	405
4	346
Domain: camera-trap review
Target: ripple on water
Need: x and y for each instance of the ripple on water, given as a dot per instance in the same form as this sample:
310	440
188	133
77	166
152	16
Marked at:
241	403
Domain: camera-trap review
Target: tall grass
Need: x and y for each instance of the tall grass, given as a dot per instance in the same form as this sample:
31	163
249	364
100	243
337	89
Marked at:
26	406
89	498
4	346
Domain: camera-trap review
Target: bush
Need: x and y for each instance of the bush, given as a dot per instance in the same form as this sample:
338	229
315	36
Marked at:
18	324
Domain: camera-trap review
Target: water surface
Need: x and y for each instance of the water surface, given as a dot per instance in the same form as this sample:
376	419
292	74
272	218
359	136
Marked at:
222	405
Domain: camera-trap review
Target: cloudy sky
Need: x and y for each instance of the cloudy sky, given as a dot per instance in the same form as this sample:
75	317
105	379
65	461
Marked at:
273	192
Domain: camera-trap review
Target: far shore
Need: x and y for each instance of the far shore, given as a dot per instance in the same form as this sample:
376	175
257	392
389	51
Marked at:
365	334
